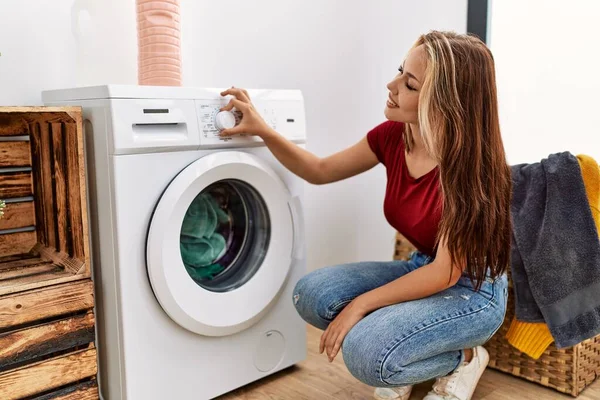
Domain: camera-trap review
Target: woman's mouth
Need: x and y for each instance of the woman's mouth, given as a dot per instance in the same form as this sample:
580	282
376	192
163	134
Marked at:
391	103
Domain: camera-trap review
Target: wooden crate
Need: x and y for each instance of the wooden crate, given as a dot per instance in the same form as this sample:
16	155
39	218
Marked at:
47	343
46	294
44	232
568	370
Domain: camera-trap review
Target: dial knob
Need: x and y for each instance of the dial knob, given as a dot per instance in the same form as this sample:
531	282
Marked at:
224	120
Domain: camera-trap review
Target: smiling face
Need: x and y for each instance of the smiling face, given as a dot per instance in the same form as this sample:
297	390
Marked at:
403	97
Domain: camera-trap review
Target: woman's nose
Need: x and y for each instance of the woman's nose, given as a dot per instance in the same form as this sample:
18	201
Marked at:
393	85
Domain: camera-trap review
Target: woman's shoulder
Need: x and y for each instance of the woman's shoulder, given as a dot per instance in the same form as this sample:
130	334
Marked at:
386	140
388	133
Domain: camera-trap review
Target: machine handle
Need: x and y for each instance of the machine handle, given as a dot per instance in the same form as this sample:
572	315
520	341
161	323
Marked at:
298	247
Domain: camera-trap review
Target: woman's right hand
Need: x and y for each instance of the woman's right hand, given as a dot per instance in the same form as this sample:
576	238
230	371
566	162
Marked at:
252	123
303	163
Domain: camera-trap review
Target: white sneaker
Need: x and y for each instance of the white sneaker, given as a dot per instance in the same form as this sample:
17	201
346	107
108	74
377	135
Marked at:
461	383
397	393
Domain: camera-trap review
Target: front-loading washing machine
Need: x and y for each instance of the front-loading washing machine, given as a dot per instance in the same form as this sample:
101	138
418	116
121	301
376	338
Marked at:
197	240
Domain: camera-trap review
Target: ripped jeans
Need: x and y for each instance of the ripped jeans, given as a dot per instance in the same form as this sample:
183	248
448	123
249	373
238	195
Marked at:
405	343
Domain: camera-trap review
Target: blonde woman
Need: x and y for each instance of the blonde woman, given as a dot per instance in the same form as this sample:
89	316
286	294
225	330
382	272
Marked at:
449	189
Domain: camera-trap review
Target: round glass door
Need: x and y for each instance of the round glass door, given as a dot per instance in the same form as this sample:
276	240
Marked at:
225	235
220	243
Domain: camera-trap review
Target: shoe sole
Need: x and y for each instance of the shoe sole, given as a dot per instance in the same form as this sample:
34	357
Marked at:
403	397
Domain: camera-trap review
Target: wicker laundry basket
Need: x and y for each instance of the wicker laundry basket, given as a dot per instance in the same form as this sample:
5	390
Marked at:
568	370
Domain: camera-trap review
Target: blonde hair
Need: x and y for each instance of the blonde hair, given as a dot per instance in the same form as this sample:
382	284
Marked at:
459	126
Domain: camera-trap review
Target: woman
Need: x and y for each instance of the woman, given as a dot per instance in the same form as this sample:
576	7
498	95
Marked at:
449	192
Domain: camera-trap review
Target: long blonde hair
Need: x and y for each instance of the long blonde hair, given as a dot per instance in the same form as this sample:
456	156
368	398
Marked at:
459	126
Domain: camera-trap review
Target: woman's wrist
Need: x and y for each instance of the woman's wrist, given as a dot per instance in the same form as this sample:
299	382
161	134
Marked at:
361	304
267	133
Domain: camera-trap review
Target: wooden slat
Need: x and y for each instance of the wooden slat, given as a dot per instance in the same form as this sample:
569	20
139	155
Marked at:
22	308
70	264
38	109
15	154
42	268
42	169
47	375
20	261
60	188
48	117
18	215
35	342
15	184
61	269
41	280
12	125
75	189
36	163
83	391
17	243
46	200
37	115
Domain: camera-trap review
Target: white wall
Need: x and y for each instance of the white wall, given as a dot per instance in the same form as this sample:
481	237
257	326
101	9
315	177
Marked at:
547	58
339	53
37	49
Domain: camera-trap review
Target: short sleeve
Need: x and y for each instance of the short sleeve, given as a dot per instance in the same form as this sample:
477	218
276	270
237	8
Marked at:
379	139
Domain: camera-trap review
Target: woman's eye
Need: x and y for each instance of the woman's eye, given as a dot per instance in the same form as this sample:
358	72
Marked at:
401	71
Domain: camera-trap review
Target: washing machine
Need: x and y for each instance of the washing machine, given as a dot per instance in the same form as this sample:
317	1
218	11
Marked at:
197	240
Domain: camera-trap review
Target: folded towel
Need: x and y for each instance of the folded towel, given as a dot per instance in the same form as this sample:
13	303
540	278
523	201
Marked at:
555	256
533	338
200	244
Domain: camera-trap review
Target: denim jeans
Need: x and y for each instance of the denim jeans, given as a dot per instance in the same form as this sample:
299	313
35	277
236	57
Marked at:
409	342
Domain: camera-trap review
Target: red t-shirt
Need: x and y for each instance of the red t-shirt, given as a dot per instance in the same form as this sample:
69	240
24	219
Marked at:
412	206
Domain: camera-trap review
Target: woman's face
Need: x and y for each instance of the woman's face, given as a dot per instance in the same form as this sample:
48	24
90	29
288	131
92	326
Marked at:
403	101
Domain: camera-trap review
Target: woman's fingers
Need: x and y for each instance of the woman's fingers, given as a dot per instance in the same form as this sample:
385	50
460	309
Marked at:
252	122
331	341
237	104
239	94
337	346
324	339
322	343
232	131
243	107
246	94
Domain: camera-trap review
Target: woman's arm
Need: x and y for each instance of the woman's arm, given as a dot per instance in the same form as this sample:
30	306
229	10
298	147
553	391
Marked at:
319	171
423	282
344	164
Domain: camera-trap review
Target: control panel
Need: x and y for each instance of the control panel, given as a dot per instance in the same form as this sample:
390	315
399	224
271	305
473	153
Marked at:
282	110
152	119
212	121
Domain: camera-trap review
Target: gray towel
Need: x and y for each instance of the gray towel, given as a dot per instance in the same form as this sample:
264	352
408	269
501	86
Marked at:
555	256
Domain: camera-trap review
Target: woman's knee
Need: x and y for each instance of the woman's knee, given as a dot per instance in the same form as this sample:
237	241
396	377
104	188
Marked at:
368	360
360	357
316	300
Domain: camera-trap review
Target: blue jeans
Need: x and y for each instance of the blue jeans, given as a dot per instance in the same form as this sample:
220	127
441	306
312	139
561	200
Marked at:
409	342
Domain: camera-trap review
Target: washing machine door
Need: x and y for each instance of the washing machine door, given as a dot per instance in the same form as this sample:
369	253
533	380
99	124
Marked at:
221	243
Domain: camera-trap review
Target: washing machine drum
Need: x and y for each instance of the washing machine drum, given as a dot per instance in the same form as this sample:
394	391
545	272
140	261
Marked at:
221	243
